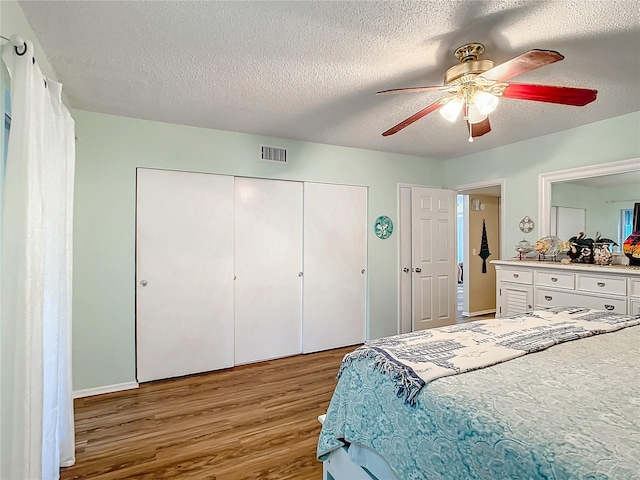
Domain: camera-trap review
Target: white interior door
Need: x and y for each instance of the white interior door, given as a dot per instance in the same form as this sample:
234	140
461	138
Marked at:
335	262
434	266
268	264
184	273
566	222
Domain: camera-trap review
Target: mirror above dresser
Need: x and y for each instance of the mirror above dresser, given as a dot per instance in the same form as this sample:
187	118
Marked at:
598	193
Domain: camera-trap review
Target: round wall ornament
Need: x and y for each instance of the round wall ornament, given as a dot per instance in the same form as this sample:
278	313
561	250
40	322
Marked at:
383	227
526	225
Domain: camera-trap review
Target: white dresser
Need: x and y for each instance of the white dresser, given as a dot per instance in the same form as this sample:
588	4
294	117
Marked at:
527	285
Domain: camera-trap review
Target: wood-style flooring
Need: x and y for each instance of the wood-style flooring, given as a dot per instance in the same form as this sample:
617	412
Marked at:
254	421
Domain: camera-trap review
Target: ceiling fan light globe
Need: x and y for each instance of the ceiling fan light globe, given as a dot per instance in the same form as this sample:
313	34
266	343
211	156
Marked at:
485	102
474	115
451	110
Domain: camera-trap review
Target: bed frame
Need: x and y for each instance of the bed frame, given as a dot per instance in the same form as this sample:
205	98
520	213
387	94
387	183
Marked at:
340	467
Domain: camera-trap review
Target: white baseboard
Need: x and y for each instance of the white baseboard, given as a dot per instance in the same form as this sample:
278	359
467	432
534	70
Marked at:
88	392
477	314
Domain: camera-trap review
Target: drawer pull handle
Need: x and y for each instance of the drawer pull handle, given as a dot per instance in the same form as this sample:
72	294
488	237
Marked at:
554	279
601	284
515	275
609	307
548	298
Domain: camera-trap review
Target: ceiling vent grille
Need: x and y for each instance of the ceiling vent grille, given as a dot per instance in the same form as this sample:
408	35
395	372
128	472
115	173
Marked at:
273	154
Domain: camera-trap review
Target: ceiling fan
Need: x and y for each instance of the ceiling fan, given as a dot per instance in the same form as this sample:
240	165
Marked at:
474	87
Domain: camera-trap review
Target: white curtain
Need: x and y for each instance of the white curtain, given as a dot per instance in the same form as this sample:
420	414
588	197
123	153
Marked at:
35	285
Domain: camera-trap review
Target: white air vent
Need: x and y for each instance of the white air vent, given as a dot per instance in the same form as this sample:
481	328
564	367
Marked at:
273	154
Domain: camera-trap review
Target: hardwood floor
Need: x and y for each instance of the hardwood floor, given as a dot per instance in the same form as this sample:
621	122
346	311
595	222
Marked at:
255	421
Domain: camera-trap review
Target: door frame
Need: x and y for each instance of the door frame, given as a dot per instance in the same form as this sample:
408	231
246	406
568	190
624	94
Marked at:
477	188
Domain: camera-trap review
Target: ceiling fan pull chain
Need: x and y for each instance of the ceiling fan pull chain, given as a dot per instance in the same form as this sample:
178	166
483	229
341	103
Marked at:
466	117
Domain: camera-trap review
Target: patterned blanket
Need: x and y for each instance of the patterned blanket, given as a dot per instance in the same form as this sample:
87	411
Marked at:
416	358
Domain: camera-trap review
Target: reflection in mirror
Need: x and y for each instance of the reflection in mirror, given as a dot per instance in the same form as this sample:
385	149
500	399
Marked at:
606	192
599	204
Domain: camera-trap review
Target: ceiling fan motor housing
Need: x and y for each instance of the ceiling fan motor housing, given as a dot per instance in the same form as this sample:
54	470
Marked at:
469	64
471	67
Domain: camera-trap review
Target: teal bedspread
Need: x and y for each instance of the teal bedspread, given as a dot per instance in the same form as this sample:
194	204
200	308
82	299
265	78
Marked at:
569	412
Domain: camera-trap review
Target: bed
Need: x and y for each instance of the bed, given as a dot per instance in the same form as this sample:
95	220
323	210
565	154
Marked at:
567	407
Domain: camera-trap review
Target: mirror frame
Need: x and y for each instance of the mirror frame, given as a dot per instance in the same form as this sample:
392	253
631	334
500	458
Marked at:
545	180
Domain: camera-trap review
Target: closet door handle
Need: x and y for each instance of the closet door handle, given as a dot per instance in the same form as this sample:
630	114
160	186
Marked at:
144	283
405	269
417	269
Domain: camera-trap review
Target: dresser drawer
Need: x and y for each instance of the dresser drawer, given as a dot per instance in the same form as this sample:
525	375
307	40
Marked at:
516	276
601	284
634	307
546	298
634	287
555	279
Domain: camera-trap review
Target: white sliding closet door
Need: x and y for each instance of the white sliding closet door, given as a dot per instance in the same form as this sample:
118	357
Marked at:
335	262
184	273
268	263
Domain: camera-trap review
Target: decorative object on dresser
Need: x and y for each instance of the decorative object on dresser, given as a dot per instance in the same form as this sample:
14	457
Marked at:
596	250
523	248
523	286
602	250
549	247
631	246
581	248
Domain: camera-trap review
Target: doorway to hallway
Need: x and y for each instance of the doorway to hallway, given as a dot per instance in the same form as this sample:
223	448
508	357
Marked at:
479	206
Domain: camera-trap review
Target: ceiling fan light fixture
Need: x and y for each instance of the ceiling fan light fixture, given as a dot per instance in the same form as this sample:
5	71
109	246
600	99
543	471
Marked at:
451	110
485	102
474	115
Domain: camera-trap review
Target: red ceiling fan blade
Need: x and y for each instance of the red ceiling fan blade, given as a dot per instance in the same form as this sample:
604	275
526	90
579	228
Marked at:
480	128
577	97
523	63
415	117
412	90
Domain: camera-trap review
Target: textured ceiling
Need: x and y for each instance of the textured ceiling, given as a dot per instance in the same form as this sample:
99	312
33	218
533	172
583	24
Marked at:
309	70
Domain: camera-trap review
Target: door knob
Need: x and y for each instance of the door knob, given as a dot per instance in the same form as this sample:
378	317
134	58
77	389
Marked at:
405	269
143	283
418	270
362	271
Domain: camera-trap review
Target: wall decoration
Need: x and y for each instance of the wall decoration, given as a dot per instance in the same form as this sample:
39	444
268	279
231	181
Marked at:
526	225
477	205
383	227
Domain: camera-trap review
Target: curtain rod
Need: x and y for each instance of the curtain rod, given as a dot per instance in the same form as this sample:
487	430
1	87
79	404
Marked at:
17	42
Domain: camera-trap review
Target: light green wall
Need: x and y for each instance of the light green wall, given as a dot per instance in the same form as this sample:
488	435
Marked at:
521	163
107	153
